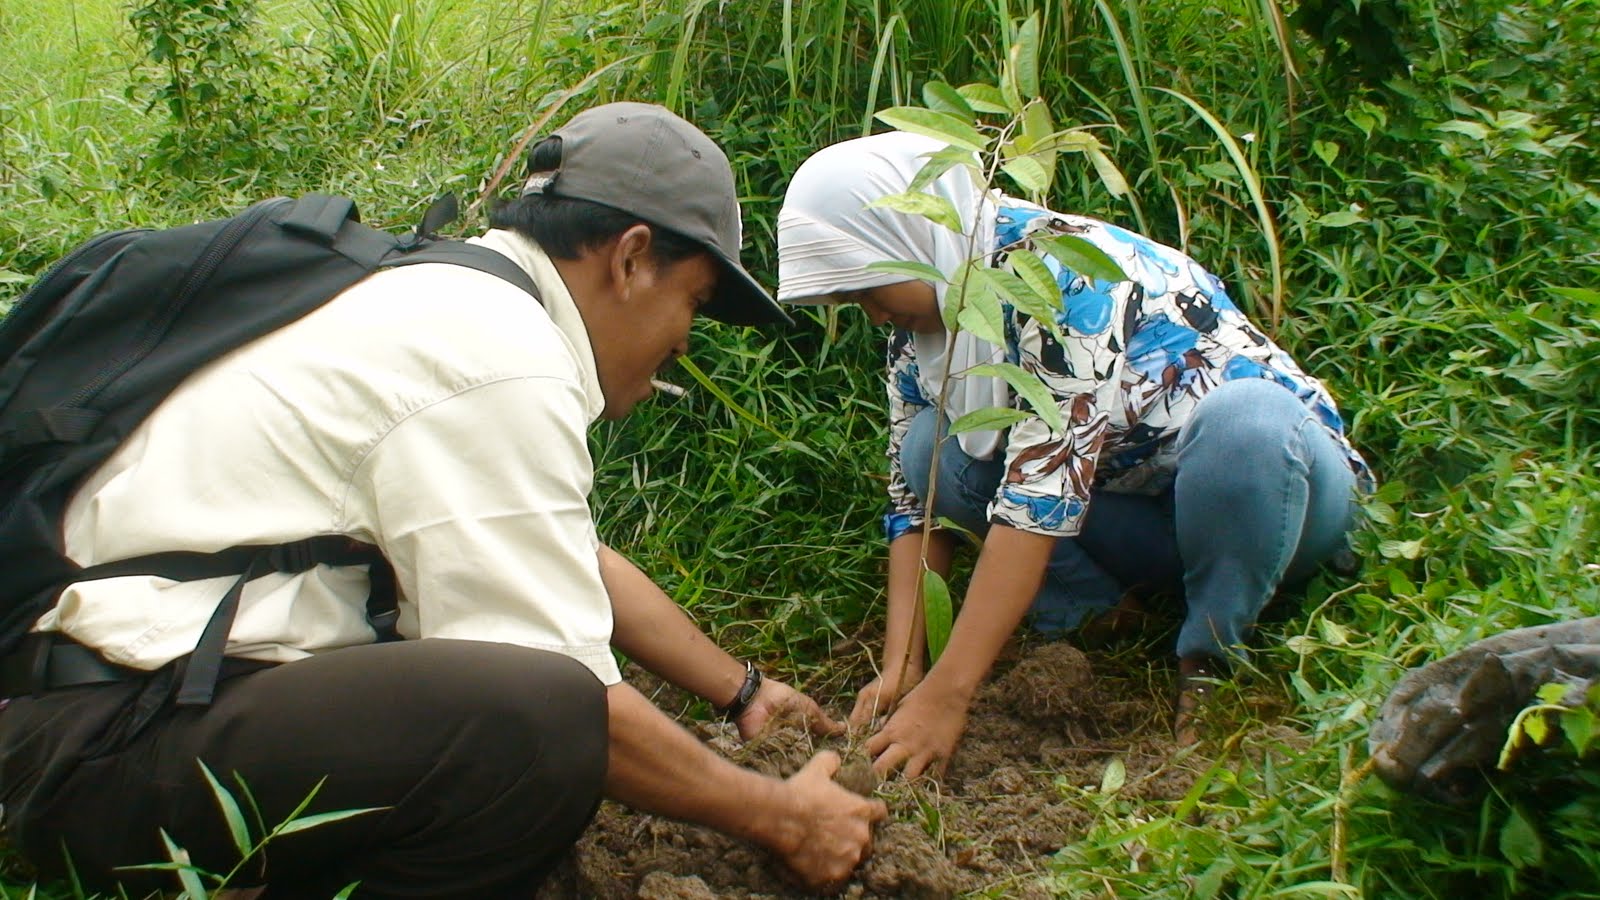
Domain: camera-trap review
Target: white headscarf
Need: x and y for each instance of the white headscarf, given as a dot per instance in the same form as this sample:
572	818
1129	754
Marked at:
827	238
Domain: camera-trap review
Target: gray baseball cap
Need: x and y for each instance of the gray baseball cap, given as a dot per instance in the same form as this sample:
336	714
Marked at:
649	163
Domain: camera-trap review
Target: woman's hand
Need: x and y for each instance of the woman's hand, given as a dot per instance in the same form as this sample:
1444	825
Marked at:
878	698
922	733
774	699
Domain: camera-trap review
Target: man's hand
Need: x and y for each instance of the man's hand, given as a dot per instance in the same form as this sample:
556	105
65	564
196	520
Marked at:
878	698
830	829
922	733
775	698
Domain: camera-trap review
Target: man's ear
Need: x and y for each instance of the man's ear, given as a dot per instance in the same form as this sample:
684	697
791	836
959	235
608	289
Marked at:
631	257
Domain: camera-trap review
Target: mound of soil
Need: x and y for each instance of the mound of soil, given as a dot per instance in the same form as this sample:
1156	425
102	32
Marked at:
1021	787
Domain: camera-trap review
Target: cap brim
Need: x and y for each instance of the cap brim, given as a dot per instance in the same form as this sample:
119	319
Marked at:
740	300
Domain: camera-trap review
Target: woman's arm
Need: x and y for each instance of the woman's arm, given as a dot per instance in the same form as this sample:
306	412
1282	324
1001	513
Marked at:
928	724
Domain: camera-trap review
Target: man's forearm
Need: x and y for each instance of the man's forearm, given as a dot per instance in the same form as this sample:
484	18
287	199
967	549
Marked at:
1004	583
658	767
654	632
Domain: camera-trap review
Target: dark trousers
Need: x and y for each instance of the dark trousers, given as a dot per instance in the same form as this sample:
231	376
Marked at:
486	760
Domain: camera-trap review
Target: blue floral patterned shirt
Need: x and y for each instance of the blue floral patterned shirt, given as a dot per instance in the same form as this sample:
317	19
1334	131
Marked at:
1136	359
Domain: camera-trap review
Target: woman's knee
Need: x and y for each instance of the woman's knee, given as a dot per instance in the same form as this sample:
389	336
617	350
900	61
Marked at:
916	450
1245	417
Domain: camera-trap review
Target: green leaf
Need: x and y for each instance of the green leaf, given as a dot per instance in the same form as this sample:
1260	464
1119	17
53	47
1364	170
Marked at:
941	97
936	611
348	890
1114	777
1025	57
990	418
914	270
1037	276
307	822
1039	135
9	277
935	209
983	319
937	125
1333	633
1029	174
1582	295
231	813
1083	257
188	875
1008	286
1579	727
1519	841
1028	387
1551	693
938	163
1327	151
1392	549
1474	130
984	98
1344	218
1106	168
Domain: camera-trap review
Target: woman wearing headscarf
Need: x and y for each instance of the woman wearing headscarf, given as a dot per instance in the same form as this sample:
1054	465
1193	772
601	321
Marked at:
1193	452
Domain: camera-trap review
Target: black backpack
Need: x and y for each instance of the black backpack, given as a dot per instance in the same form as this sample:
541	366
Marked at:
108	332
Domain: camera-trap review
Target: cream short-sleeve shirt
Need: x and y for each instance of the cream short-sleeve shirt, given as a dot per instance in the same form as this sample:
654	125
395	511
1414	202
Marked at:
433	410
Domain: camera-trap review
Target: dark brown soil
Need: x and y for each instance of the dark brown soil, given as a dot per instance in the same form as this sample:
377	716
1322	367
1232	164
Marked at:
1023	785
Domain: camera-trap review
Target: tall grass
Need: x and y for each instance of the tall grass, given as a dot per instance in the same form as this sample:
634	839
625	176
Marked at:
1429	242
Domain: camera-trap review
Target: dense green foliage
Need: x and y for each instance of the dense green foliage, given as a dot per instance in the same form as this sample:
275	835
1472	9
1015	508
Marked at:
1401	191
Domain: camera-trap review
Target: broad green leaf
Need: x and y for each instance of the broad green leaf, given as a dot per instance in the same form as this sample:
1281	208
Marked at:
1029	174
1582	295
1519	841
1028	387
935	209
984	98
237	830
1025	57
1114	777
1040	130
1536	727
1013	290
307	822
1209	884
1037	276
1106	168
990	418
348	890
188	875
9	277
1010	91
1551	693
1083	257
1318	888
1344	218
1335	634
936	611
983	319
1327	151
941	97
1461	126
913	270
1393	549
1579	727
939	163
937	125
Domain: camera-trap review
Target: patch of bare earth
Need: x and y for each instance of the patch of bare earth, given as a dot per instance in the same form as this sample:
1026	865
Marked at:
1038	742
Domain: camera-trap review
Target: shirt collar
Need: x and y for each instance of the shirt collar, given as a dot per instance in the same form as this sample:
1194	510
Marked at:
558	303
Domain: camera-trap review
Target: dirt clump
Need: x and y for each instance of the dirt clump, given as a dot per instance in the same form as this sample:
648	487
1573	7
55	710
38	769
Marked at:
1027	780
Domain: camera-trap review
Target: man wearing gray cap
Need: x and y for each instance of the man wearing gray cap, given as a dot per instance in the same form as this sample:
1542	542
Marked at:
438	413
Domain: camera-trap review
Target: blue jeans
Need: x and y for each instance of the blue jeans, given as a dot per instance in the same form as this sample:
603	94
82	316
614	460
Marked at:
1262	495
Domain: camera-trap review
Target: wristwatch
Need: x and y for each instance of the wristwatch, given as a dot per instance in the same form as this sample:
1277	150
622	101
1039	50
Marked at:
747	692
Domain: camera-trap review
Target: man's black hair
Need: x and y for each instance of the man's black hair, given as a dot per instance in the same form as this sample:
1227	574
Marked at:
565	227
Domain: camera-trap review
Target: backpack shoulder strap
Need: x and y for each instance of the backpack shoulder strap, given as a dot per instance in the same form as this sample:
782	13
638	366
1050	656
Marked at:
459	253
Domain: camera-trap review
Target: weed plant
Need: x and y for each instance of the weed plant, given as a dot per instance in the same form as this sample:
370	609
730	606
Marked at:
1421	234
